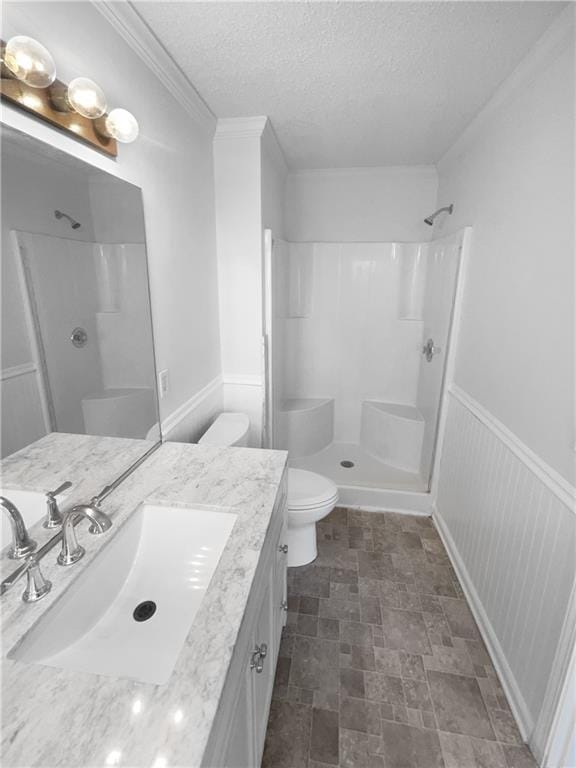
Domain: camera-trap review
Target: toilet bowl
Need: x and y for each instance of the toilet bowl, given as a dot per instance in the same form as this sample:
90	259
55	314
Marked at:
229	429
311	497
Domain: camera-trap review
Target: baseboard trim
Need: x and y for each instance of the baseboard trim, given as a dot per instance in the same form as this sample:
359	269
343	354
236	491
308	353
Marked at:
242	380
505	674
184	410
385	500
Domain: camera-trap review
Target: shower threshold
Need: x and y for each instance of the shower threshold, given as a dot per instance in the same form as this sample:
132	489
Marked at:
366	472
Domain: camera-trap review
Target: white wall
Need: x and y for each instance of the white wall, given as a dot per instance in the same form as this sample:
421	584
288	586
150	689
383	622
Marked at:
171	161
274	174
513	181
249	172
506	494
239	247
360	204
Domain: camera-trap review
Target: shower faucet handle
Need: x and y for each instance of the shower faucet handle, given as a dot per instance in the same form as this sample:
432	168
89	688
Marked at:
429	350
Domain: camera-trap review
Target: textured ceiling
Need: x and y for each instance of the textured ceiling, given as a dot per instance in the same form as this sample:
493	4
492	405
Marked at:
351	83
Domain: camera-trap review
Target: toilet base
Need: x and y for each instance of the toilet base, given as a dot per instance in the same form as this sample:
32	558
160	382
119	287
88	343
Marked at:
302	548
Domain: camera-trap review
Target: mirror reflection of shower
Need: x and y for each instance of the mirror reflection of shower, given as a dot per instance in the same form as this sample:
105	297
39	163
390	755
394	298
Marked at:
73	223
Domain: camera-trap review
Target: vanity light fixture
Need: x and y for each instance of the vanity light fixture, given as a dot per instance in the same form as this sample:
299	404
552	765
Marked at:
30	62
86	97
29	81
121	125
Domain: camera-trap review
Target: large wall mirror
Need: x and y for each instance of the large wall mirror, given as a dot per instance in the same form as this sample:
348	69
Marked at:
77	352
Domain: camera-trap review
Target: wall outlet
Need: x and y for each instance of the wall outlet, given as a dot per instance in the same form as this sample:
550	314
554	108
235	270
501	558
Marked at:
163	382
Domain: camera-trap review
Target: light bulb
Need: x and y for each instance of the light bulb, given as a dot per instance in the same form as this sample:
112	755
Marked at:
30	62
122	125
86	97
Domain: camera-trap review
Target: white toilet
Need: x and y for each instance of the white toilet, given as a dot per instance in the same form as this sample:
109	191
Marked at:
228	429
310	496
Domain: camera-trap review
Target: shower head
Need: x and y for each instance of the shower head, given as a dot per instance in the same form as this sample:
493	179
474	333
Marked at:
430	219
73	223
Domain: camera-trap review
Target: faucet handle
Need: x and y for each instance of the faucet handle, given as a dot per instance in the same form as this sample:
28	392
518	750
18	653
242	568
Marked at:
53	516
37	586
61	488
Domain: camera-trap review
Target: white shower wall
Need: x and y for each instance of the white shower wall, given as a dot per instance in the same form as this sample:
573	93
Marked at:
349	323
344	338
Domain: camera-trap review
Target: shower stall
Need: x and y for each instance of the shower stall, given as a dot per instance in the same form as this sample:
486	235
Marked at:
90	334
357	343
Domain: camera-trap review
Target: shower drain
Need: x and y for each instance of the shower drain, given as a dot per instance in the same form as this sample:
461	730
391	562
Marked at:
347	464
144	611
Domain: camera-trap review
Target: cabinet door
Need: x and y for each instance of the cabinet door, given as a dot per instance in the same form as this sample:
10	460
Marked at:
263	680
240	749
280	586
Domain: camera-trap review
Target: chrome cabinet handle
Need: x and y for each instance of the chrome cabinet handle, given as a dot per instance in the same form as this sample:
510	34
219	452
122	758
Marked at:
53	516
258	656
283	548
284	605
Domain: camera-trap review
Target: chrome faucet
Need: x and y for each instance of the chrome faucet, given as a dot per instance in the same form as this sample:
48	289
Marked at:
71	550
22	544
37	586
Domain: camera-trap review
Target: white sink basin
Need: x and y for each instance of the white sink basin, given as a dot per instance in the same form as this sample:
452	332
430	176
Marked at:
163	555
32	506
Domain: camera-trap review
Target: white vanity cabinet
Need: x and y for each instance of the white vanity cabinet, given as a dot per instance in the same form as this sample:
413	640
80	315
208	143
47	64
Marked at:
239	730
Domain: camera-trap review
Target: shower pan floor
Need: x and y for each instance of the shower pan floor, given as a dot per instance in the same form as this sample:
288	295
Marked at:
367	472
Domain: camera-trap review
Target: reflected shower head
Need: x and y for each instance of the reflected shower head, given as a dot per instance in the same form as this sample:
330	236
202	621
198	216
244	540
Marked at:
73	223
430	219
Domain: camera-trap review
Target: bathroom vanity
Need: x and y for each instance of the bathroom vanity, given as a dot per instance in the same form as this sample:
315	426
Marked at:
149	699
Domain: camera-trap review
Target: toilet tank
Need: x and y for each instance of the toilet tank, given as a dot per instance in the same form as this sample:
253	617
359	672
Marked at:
228	429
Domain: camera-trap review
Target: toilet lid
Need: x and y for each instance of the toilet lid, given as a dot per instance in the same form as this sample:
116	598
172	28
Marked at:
307	489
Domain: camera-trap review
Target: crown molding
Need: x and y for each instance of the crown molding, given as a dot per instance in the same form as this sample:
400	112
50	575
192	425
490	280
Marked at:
133	29
546	48
240	127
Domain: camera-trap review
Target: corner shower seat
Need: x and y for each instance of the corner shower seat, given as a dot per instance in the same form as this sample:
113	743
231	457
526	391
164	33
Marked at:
393	433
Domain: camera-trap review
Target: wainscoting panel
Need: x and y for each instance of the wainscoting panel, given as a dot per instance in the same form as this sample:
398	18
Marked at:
509	523
23	419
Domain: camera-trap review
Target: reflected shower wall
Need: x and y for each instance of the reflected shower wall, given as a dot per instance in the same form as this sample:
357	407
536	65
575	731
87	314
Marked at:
97	383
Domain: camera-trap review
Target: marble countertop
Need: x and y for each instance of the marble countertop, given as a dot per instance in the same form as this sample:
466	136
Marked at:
56	717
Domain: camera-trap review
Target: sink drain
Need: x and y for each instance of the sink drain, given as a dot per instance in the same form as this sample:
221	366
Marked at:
347	464
144	611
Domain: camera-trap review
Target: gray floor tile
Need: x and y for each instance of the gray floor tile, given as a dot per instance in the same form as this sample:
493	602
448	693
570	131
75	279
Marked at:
405	746
458	705
381	664
405	631
288	739
324	740
360	715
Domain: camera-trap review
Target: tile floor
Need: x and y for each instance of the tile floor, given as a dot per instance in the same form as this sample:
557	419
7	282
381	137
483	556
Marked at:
381	663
